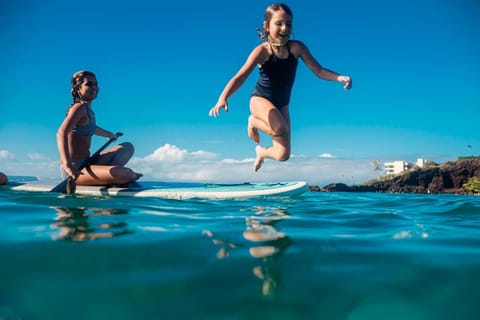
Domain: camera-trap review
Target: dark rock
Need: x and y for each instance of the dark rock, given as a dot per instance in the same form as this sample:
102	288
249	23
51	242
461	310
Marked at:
337	187
446	178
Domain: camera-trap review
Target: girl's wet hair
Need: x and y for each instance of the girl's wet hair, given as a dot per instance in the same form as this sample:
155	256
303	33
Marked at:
77	80
271	9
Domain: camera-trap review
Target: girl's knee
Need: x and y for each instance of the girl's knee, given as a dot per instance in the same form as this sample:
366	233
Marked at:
123	174
130	175
284	156
127	146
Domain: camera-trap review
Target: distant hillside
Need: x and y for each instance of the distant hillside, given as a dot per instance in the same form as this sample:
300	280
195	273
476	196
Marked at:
461	177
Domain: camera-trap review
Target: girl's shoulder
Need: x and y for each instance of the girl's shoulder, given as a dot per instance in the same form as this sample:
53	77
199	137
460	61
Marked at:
262	52
77	108
297	47
262	48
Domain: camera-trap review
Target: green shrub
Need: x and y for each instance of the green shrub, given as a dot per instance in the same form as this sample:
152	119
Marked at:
472	185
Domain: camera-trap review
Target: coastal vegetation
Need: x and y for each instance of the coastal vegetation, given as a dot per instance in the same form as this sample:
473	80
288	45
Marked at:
472	185
457	177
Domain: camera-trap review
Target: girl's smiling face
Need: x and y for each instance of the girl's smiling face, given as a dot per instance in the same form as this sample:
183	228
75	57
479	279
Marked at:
280	26
89	88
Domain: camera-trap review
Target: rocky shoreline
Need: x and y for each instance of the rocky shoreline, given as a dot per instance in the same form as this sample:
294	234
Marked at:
450	177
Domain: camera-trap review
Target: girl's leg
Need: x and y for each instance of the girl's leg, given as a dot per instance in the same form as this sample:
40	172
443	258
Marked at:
106	175
117	155
274	122
267	118
253	131
109	167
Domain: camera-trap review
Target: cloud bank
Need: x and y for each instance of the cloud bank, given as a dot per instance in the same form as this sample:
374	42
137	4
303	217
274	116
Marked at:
172	163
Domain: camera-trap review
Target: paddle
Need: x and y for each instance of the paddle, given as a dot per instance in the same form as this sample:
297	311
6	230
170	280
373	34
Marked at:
68	185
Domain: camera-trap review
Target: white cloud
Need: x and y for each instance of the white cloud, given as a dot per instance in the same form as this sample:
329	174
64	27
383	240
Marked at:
6	155
167	153
236	161
327	155
37	157
45	169
171	153
203	154
32	164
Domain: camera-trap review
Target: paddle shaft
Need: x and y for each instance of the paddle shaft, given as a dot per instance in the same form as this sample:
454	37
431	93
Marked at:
97	153
62	186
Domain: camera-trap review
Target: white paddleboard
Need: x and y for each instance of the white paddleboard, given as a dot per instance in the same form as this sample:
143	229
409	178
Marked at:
174	190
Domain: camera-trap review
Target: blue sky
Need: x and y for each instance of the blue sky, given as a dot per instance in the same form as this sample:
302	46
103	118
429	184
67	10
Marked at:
161	67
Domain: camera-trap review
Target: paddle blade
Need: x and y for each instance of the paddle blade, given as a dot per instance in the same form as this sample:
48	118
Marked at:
66	186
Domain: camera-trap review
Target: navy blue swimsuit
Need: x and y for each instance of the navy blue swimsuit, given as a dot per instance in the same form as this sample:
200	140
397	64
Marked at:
276	79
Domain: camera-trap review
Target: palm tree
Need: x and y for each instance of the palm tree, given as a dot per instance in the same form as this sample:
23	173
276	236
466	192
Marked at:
377	167
470	147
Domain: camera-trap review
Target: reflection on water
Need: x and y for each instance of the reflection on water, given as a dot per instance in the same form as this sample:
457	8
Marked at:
268	243
225	245
81	224
265	244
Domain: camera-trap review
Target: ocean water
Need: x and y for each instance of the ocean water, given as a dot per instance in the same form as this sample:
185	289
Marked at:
316	256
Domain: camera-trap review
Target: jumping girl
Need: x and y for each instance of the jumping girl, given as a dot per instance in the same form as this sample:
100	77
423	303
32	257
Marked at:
277	60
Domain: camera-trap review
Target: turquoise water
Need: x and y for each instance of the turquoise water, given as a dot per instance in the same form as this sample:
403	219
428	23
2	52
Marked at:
317	256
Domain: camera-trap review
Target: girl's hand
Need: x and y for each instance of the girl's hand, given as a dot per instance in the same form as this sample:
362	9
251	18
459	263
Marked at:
346	80
113	136
72	172
215	111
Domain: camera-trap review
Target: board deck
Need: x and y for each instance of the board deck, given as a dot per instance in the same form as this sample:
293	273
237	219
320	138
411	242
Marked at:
175	190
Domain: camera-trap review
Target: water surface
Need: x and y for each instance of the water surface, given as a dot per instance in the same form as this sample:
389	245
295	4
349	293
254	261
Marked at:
317	256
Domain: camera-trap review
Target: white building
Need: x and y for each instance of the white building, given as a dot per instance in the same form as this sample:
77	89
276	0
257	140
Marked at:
420	162
396	167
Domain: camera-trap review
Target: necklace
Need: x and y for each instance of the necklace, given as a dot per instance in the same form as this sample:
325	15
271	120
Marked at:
277	44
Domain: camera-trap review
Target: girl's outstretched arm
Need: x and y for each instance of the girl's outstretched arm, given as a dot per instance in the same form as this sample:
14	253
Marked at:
238	79
301	50
104	133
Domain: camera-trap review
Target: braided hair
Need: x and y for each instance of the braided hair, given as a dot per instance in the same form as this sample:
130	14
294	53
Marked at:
77	80
271	9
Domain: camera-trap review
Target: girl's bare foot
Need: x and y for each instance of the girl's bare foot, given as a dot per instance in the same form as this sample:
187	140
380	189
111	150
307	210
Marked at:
253	132
258	161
